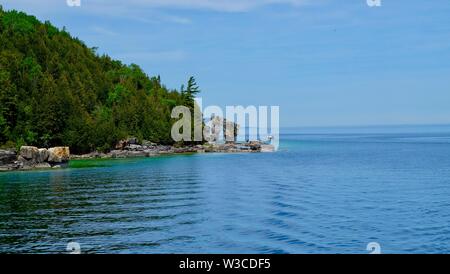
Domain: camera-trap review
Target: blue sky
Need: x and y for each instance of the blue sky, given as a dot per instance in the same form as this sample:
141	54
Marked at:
324	62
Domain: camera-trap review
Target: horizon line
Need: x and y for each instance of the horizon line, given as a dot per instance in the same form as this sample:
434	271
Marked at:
371	125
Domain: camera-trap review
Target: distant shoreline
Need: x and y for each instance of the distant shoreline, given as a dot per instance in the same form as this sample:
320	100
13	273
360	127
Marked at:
372	129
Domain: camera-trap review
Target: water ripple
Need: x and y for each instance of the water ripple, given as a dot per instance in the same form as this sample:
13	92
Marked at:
319	194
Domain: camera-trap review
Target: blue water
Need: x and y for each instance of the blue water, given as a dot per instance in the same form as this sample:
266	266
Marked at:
328	192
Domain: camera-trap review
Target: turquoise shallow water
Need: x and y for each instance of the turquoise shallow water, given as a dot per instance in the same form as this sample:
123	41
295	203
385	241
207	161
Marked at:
328	192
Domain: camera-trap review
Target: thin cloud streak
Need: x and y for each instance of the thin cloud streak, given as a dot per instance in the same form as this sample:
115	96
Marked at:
103	31
216	5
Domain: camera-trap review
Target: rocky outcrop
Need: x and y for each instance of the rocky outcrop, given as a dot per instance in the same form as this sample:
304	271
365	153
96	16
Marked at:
29	153
123	144
58	155
253	146
217	125
30	157
43	155
40	158
8	160
7	157
151	150
230	130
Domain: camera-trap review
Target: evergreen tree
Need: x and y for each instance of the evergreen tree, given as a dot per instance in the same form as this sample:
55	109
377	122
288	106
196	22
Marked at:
54	90
191	91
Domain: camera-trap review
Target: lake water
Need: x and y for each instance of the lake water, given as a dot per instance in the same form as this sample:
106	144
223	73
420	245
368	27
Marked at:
325	191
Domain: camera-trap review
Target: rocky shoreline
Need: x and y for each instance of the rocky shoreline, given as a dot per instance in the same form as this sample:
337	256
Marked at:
29	158
139	150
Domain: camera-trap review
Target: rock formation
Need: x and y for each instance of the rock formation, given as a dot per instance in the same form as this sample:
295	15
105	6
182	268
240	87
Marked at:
58	155
30	157
217	125
7	160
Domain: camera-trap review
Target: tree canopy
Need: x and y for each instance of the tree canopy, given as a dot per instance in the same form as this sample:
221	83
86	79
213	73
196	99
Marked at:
55	90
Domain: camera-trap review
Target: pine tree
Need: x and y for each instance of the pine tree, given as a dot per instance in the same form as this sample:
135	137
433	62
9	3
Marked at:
55	90
191	91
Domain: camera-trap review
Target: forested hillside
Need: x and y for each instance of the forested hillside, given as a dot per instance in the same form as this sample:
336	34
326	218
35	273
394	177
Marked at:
55	90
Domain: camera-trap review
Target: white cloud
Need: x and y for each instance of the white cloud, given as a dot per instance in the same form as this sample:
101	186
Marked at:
144	11
103	31
217	5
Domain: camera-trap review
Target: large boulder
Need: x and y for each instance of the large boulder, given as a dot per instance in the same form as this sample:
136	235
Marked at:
7	157
58	154
148	143
134	148
121	145
231	131
133	141
42	155
255	145
125	144
29	153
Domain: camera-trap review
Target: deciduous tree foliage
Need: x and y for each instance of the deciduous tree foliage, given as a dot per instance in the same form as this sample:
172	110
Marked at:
54	90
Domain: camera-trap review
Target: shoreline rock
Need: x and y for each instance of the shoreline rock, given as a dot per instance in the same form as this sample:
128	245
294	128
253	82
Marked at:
140	151
58	155
8	160
31	158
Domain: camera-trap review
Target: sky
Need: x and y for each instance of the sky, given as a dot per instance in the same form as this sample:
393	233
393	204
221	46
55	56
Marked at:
324	62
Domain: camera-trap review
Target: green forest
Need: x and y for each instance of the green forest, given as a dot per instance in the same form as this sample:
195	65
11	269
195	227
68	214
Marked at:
55	90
